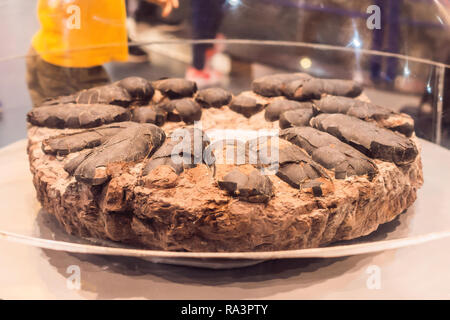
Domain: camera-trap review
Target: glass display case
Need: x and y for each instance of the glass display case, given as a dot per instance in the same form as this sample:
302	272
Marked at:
398	51
401	64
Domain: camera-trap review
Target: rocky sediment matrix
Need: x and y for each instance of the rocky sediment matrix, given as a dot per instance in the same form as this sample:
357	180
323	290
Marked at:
125	162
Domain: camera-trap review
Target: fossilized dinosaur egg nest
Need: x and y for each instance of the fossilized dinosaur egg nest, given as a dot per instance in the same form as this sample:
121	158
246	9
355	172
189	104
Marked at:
102	163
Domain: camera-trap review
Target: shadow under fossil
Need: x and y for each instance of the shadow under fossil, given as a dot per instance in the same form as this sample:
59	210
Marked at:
272	276
111	277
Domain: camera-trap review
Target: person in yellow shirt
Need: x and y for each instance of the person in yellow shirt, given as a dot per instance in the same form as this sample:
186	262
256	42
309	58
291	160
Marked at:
75	39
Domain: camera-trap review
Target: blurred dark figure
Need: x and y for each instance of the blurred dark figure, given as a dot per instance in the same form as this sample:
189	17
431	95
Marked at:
390	25
206	19
425	115
145	12
432	97
135	53
153	13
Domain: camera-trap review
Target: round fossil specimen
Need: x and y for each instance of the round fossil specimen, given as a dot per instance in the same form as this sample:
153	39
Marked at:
140	89
295	118
185	109
188	109
213	97
68	143
330	152
291	163
184	148
246	105
367	137
278	107
314	88
109	94
132	90
151	114
273	85
176	88
165	156
366	111
253	187
77	115
336	104
129	143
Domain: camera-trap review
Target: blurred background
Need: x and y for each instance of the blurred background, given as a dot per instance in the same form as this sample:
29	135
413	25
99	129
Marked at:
402	64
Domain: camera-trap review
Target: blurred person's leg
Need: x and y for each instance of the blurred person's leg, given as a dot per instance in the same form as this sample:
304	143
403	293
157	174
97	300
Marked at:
393	38
206	20
145	12
150	14
446	97
377	44
46	80
37	94
135	53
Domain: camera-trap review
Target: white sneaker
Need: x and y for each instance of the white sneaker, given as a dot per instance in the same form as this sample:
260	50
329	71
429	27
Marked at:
204	78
